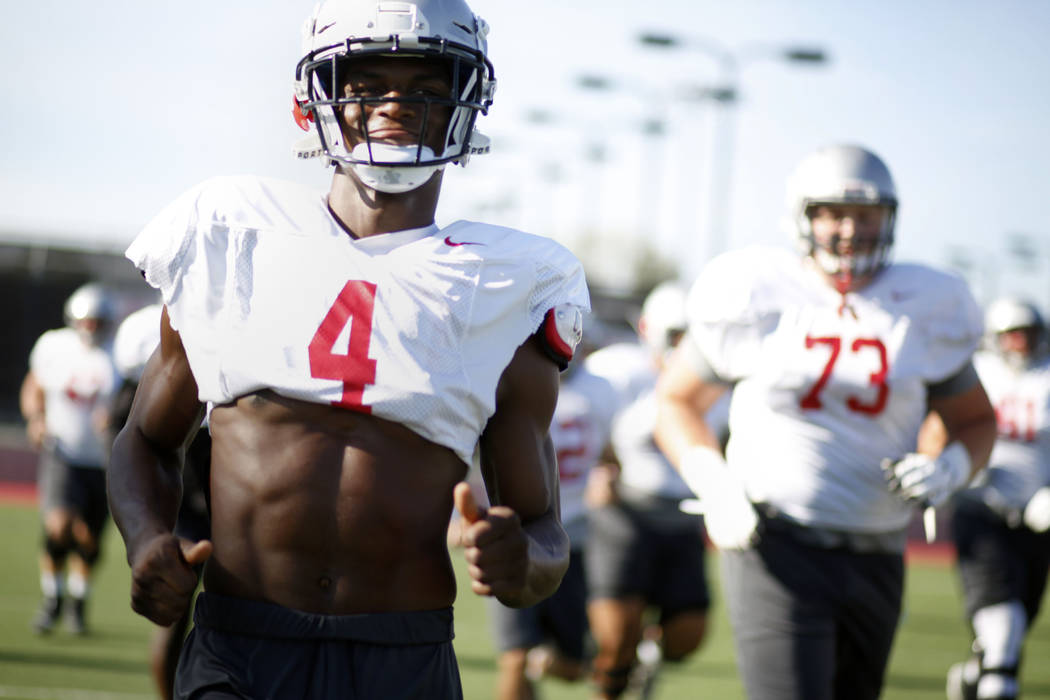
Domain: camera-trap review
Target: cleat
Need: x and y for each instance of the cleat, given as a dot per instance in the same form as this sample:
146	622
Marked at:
75	619
47	616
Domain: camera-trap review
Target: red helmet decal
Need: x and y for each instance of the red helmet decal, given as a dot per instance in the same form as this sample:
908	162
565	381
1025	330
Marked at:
302	118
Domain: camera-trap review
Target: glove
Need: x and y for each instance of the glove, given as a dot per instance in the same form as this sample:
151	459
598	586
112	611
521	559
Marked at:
730	519
1037	512
929	480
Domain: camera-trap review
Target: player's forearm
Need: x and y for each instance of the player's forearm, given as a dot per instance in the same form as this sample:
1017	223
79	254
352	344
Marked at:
144	484
679	427
31	399
548	559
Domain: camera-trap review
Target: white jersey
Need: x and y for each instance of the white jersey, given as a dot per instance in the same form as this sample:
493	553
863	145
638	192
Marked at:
137	337
580	432
630	369
826	387
79	381
1020	461
268	291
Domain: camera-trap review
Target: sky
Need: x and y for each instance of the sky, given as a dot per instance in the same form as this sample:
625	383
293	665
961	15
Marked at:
110	109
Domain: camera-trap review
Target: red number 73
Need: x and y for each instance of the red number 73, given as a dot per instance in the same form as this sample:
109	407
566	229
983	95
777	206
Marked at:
811	401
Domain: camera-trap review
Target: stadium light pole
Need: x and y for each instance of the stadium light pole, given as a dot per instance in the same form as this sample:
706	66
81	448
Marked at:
650	188
727	95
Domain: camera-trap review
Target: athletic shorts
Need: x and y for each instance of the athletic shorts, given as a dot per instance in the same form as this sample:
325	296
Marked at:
809	622
651	550
996	562
561	618
249	649
78	488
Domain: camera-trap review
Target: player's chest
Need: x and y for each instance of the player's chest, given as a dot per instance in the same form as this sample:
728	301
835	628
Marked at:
329	288
860	358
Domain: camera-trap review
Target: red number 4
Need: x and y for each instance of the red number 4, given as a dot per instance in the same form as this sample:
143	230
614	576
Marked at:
355	303
811	401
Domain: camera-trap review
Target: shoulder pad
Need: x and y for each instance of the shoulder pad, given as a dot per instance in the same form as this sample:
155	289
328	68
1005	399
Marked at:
562	332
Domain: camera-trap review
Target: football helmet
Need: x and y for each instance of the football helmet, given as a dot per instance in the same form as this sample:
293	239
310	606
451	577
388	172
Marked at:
1010	314
90	302
339	31
837	175
663	318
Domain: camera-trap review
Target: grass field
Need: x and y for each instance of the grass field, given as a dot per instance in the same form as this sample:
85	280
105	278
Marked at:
111	662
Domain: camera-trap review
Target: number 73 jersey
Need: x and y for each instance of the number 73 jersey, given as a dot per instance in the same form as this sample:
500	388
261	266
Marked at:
828	386
268	291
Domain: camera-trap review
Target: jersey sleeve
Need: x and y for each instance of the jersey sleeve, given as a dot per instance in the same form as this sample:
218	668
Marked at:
558	301
537	276
183	253
730	310
952	326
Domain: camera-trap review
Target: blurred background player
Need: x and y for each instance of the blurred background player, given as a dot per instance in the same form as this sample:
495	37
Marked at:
643	552
1000	523
551	639
836	356
65	400
135	340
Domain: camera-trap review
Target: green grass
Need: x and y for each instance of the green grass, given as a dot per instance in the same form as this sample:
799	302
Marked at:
112	661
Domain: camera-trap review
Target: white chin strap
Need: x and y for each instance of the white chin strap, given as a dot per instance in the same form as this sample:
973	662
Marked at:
393	179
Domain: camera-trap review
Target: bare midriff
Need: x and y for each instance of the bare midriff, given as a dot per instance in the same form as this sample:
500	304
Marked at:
328	510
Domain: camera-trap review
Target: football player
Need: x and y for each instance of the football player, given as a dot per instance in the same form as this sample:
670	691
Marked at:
65	400
643	552
1000	523
352	355
836	355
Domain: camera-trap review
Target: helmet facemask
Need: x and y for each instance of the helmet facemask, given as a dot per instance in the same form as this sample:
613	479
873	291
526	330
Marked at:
849	264
388	167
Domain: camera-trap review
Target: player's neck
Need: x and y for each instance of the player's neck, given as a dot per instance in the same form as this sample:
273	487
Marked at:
363	211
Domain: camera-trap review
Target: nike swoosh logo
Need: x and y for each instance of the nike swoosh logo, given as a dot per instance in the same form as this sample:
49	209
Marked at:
326	27
448	241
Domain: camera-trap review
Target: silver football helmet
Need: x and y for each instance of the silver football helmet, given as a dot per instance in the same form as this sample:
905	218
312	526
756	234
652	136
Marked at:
341	30
1012	314
90	302
842	174
663	318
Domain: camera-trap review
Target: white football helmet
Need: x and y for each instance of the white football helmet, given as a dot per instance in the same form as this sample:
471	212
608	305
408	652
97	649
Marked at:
663	319
341	30
1010	314
842	174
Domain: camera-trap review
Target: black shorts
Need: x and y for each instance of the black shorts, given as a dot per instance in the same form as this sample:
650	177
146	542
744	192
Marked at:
79	488
650	550
561	618
996	562
250	649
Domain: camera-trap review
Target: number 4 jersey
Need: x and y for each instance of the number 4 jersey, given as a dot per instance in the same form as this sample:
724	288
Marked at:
267	290
827	386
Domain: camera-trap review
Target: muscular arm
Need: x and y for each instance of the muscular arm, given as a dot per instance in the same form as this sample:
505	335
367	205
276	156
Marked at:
968	418
683	399
521	477
144	479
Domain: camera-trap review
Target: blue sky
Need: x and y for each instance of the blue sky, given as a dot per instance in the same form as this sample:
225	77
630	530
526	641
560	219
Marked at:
110	109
